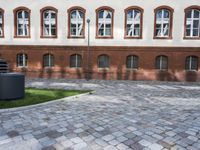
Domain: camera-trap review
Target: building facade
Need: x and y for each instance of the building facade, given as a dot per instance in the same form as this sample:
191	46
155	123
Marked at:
107	39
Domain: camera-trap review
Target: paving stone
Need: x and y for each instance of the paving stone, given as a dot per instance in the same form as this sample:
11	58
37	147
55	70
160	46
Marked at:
144	142
80	146
12	133
155	146
108	138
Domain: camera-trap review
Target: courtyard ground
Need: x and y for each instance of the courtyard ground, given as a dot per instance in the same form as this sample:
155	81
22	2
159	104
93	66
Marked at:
118	115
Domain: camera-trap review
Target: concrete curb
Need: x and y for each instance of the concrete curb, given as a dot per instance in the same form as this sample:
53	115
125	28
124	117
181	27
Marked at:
45	103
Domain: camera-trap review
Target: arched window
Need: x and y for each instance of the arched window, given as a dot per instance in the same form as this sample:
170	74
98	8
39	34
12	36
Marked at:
75	61
103	61
192	22
49	22
191	63
76	21
48	60
22	60
132	62
163	22
1	23
133	22
162	62
105	17
22	22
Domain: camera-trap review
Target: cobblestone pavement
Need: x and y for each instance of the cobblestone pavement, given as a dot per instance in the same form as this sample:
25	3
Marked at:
119	115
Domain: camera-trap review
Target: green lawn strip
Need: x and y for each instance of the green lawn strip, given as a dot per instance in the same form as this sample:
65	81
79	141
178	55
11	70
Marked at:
36	96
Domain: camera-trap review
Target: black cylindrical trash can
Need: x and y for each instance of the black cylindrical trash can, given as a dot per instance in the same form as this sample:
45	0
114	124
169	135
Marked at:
12	86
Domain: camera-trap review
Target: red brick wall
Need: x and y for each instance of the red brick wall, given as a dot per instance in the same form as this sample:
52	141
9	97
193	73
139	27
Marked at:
176	62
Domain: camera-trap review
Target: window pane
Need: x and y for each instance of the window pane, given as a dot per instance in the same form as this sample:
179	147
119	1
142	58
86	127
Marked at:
187	63
73	61
196	24
19	14
188	31
157	62
195	32
164	63
194	65
159	14
166	14
189	14
26	15
196	14
103	61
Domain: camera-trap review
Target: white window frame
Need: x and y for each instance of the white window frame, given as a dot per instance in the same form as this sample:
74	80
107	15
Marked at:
133	21
1	22
190	64
163	21
50	22
191	22
24	22
77	20
49	60
105	21
133	57
161	62
76	61
23	60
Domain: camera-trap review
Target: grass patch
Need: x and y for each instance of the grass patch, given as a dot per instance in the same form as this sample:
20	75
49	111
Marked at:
36	96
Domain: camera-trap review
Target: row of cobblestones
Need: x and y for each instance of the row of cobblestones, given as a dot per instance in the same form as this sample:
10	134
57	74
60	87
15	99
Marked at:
119	115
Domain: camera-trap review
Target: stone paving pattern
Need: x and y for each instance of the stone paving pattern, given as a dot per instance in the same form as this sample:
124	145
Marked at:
119	115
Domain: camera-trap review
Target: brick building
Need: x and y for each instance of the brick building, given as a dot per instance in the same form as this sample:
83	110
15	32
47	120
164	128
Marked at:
128	39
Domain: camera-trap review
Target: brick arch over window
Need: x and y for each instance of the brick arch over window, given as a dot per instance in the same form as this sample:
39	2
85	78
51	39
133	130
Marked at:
83	11
26	22
2	23
187	10
170	17
97	21
138	9
42	11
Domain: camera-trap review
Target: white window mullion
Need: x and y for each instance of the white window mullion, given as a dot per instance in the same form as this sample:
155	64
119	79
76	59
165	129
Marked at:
161	60
190	63
23	25
192	22
77	21
131	61
50	23
162	24
76	61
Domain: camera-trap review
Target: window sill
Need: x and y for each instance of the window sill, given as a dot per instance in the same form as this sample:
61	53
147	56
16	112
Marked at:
48	68
75	68
131	69
22	37
191	38
48	37
191	70
22	67
162	38
104	37
103	69
76	37
132	37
